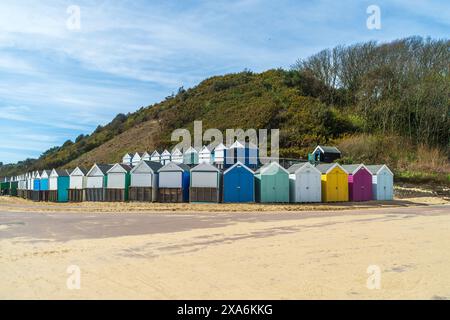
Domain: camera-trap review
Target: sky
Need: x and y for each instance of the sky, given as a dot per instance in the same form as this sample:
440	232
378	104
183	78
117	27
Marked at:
68	66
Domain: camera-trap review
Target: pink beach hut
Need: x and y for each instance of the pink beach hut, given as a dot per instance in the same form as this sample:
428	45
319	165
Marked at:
359	182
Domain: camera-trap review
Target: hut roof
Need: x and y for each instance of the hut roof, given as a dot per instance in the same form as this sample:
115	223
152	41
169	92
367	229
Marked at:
297	166
374	169
238	164
172	166
205	167
268	165
327	149
352	168
326	167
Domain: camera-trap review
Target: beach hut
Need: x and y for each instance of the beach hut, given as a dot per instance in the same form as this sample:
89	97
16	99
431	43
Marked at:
219	155
4	188
20	187
238	184
45	175
359	182
177	156
36	193
77	184
146	156
272	183
59	185
96	181
174	179
205	155
382	182
137	157
334	182
205	183
165	157
117	183
127	159
13	188
326	154
155	157
144	181
305	183
190	156
246	153
30	182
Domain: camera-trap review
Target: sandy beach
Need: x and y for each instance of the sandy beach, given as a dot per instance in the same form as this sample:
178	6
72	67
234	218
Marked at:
237	255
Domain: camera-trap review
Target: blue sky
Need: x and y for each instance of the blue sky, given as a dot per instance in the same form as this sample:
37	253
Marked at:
56	83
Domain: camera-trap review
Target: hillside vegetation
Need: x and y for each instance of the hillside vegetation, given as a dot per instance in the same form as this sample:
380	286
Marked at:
378	102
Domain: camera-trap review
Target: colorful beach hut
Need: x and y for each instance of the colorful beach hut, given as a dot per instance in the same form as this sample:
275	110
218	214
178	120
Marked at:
205	183
45	175
117	183
359	182
96	181
326	154
382	182
305	183
272	183
334	182
59	186
238	184
77	185
174	180
144	181
190	156
36	194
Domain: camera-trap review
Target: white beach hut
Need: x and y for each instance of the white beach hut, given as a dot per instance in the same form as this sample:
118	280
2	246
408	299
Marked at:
155	157
177	156
205	155
127	158
305	183
205	183
96	180
144	181
165	157
77	184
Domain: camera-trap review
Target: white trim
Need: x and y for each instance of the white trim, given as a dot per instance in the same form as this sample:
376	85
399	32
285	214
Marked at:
306	165
114	166
336	165
385	166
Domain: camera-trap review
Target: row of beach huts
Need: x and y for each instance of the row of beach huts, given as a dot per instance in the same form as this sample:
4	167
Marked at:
229	180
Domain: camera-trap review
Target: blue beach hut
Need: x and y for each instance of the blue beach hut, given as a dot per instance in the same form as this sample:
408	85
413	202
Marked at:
238	184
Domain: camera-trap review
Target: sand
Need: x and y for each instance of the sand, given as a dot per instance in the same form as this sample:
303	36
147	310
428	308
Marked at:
324	257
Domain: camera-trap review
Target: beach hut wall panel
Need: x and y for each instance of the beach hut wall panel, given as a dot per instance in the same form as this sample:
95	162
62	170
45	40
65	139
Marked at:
305	183
382	182
334	182
174	180
205	183
146	156
144	181
118	183
272	183
13	188
238	184
59	186
36	193
359	182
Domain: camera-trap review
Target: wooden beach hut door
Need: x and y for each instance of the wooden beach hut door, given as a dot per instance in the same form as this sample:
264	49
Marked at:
270	181
384	182
333	185
309	187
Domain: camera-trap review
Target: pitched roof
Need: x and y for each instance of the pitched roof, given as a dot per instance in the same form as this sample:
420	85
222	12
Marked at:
205	167
82	169
172	166
267	165
128	154
296	166
238	164
61	172
324	167
155	166
374	169
328	149
104	168
351	168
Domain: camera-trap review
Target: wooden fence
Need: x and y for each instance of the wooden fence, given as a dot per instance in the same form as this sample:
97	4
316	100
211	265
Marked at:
115	195
204	195
142	194
76	195
95	194
170	195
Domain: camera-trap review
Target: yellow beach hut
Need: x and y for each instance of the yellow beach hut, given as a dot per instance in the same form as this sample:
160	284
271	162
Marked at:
334	182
